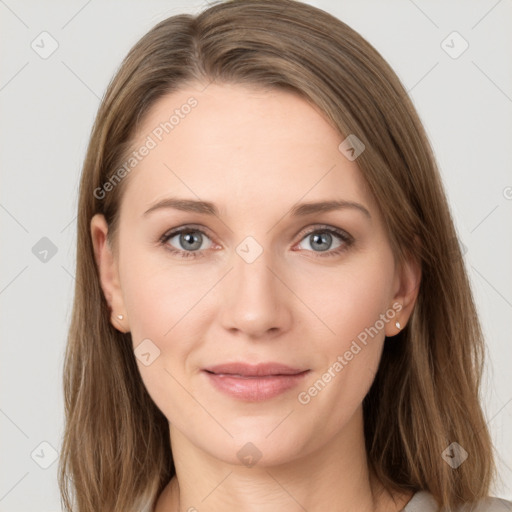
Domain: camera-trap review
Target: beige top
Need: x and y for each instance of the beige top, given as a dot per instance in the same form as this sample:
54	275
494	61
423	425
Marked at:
423	501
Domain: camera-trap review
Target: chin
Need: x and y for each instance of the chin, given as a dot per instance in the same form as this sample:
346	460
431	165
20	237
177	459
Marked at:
257	445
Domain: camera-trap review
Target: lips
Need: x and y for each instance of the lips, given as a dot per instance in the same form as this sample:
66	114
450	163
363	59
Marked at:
248	370
254	383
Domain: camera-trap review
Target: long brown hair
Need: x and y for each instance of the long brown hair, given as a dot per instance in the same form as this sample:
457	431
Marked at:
116	452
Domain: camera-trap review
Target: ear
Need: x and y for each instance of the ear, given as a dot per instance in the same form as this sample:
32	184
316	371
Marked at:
407	286
108	272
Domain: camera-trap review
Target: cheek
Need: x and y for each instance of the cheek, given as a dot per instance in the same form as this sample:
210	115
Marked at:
158	293
164	323
348	299
352	302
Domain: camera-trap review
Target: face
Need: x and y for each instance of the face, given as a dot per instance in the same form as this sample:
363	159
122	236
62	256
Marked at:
254	276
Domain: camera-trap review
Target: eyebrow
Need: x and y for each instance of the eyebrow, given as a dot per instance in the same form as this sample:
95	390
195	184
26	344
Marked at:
299	210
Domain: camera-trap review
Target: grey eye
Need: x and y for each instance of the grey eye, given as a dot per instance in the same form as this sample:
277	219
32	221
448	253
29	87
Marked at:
190	240
320	241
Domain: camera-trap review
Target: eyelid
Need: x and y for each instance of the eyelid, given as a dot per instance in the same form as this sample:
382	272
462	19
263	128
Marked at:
327	227
185	227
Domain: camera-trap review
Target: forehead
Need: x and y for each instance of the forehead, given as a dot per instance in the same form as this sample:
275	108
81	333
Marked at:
240	145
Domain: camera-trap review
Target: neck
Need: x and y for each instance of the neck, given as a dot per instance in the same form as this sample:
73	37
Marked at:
334	477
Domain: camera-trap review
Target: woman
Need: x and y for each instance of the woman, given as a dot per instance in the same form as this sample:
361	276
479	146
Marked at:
272	310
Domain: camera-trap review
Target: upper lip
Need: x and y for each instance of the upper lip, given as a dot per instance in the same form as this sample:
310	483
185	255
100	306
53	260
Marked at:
261	369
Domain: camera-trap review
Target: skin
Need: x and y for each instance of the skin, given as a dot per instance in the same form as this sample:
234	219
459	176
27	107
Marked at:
255	154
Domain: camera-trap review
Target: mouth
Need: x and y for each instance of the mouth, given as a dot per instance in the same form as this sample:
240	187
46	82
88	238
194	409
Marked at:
254	370
254	383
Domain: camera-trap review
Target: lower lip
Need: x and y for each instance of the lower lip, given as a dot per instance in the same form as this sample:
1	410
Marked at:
255	389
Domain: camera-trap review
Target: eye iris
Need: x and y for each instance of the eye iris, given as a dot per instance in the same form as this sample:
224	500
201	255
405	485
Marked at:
325	239
190	241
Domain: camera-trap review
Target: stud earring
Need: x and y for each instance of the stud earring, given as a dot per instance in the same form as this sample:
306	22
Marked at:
120	317
397	324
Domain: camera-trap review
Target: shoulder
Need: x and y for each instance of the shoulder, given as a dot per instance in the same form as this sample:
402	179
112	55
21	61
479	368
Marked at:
423	501
489	505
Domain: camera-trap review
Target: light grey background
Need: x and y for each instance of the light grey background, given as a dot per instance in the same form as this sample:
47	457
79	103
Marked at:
48	106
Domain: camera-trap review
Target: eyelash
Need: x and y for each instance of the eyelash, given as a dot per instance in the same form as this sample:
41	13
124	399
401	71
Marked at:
344	237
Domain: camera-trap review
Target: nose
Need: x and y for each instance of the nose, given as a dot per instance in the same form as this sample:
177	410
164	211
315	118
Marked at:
255	299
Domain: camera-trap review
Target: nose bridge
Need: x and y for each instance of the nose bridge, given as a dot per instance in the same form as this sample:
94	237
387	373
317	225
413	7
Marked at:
253	298
251	268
